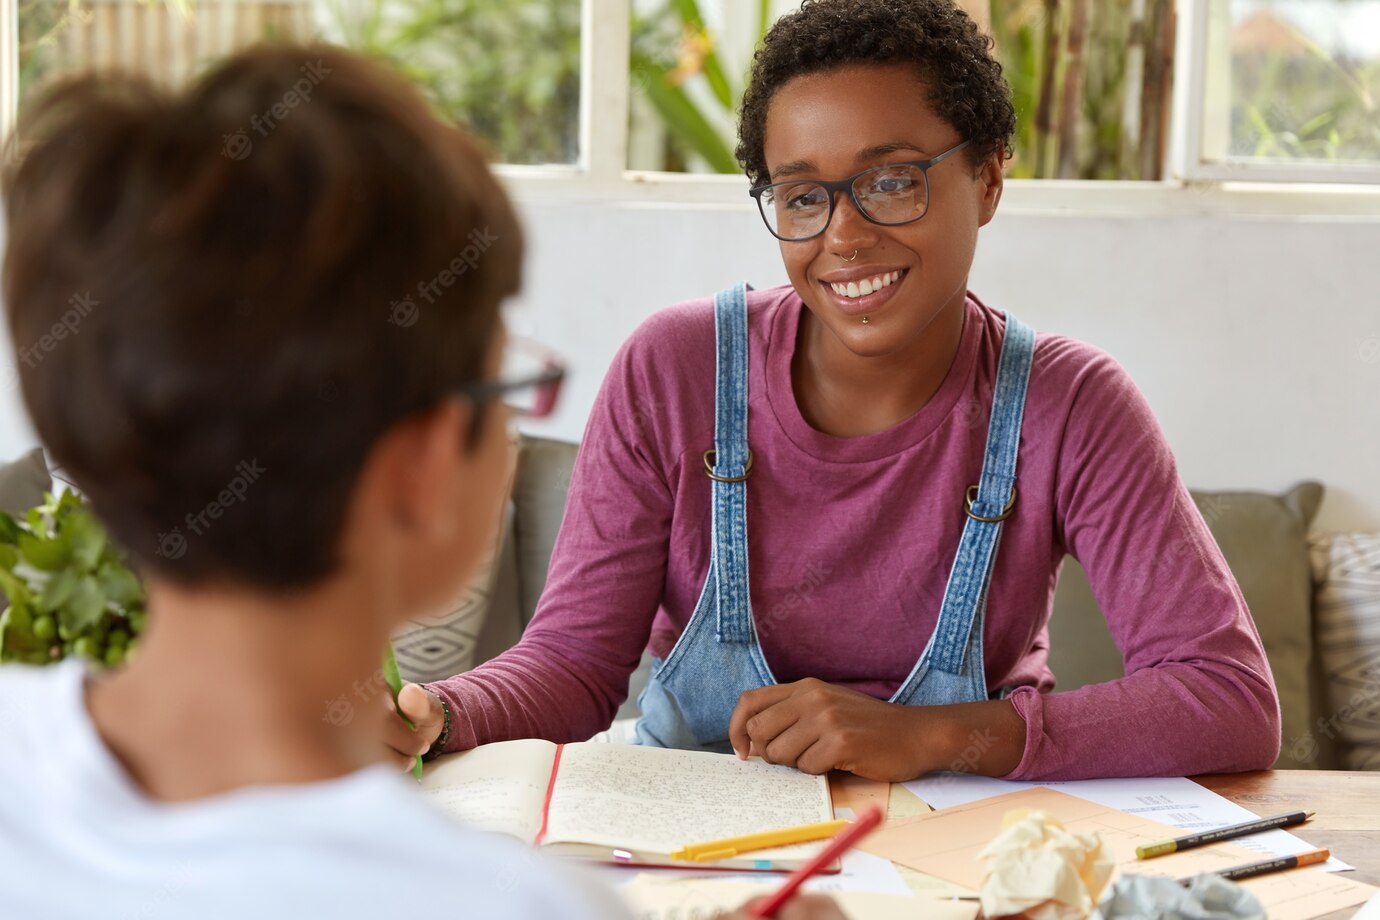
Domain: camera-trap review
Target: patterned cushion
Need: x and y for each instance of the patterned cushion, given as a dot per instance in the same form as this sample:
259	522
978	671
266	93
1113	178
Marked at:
1347	569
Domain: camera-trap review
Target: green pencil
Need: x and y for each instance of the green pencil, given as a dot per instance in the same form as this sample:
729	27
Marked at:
394	679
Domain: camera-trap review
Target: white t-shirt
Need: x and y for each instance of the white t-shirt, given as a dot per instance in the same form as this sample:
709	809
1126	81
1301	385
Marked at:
79	840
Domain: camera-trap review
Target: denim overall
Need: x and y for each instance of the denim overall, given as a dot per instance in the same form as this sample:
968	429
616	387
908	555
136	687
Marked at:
691	695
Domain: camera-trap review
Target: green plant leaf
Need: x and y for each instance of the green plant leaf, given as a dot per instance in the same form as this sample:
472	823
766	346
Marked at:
46	553
5	653
58	590
84	608
1313	124
713	68
9	530
85	536
684	119
17	632
14	588
119	584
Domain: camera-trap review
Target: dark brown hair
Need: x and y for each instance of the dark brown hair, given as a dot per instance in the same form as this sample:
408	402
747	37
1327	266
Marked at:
963	80
220	299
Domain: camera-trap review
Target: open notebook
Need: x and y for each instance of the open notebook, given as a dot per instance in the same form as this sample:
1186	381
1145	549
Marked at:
629	804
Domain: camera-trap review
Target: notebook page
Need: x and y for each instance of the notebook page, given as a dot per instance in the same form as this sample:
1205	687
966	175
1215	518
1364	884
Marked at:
654	897
659	800
495	787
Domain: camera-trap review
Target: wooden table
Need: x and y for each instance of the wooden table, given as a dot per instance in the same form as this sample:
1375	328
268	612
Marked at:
1347	805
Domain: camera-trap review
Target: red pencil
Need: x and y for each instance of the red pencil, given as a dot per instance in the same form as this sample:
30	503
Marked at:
842	842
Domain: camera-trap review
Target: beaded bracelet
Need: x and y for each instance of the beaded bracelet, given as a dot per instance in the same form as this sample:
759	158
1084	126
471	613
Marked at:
438	747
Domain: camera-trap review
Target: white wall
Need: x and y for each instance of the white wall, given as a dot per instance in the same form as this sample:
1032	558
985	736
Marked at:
1257	340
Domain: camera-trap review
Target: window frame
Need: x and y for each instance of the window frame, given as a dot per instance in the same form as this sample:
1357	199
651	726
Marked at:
9	74
600	173
1204	28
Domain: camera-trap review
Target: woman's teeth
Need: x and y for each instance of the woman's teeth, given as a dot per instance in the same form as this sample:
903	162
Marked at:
865	286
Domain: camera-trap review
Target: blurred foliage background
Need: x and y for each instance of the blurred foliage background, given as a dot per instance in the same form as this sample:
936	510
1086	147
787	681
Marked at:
1309	93
1091	80
510	70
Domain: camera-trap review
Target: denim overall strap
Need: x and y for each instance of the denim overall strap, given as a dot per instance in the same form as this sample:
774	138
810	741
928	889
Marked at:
690	695
965	596
734	617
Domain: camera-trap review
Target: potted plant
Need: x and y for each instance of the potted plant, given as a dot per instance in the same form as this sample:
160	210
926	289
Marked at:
67	589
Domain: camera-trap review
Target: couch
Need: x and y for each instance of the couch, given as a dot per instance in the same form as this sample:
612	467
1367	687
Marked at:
1319	617
1264	538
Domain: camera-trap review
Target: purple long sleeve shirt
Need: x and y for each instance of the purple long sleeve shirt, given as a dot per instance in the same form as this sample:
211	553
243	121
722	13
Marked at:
850	544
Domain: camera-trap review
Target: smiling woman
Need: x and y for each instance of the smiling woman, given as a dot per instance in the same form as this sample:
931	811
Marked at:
875	421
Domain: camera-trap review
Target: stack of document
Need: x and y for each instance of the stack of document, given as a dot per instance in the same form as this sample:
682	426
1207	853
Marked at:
1127	813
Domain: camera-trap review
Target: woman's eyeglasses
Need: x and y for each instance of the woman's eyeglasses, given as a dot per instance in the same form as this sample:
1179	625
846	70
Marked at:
890	195
529	383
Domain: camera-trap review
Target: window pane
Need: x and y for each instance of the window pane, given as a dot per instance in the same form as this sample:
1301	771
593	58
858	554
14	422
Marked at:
510	70
1305	80
1090	80
688	68
168	40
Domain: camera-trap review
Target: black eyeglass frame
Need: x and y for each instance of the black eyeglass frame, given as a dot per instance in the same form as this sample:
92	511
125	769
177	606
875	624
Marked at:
547	381
846	185
489	390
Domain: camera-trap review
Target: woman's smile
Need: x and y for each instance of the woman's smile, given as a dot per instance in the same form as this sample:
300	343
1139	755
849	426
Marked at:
862	290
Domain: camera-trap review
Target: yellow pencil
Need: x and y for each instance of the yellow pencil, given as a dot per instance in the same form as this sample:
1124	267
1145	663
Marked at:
732	846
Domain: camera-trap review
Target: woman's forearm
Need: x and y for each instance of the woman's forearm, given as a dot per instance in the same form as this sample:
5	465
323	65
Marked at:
985	737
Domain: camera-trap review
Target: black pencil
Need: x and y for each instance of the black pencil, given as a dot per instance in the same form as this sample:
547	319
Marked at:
1251	870
1223	833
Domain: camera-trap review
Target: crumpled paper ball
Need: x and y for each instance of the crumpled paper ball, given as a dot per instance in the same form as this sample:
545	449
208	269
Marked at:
1037	868
1210	897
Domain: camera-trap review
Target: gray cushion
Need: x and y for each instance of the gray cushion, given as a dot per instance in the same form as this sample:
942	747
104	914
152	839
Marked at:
543	478
1265	541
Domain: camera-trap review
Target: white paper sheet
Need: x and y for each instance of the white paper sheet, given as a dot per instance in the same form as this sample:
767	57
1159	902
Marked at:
1172	800
859	871
1370	910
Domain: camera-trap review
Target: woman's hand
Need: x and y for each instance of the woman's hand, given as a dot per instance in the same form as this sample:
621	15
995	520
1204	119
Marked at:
424	709
816	727
799	907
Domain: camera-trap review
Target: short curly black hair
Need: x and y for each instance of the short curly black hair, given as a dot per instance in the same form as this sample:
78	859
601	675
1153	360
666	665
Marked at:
966	87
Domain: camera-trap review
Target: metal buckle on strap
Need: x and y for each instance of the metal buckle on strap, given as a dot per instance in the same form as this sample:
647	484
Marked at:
1005	512
710	461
